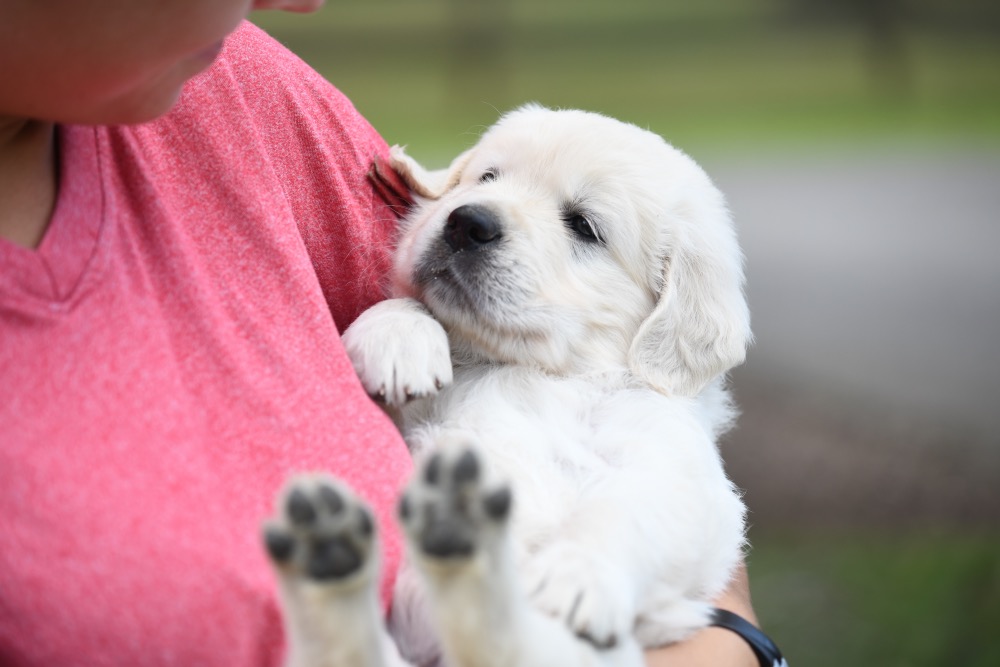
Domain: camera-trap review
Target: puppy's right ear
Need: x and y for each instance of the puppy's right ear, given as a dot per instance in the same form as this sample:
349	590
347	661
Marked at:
700	327
428	184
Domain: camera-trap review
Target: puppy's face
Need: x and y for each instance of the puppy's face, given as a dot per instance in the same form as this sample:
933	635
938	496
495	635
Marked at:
552	243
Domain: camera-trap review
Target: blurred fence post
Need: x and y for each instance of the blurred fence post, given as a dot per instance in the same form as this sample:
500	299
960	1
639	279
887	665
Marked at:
881	23
888	61
479	42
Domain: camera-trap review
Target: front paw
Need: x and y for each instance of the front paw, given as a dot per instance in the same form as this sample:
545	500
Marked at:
450	511
399	351
587	594
322	532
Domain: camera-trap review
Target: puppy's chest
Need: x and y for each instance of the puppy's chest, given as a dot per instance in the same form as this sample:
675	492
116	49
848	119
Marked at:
561	430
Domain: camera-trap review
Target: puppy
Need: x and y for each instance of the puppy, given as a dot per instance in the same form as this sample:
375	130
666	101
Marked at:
568	299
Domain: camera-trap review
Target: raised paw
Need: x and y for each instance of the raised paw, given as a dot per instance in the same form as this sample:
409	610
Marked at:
322	531
450	511
399	351
589	596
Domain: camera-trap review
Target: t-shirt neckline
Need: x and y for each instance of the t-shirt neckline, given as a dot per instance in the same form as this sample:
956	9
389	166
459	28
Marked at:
54	273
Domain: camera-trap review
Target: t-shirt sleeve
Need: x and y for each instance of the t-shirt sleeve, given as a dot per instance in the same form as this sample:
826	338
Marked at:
324	153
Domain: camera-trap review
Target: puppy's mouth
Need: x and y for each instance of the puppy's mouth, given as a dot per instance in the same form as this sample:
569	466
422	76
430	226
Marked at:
454	284
466	275
443	288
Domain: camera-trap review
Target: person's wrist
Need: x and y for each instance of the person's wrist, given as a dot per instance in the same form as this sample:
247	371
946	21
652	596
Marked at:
709	647
736	597
714	646
766	652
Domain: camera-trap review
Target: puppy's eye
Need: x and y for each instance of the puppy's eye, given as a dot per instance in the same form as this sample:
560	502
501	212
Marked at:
489	175
582	227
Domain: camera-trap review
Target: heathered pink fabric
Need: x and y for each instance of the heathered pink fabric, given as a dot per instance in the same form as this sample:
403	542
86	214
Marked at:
168	357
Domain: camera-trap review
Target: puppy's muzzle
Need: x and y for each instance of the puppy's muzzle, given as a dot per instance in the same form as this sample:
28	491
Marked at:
472	227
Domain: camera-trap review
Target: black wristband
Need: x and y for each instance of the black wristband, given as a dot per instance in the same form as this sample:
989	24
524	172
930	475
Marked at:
766	650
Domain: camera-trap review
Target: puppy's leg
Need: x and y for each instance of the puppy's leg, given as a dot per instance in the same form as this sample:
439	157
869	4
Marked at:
593	598
676	554
399	351
456	523
324	549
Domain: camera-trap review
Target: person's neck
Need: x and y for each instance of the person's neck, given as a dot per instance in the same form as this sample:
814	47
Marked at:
28	179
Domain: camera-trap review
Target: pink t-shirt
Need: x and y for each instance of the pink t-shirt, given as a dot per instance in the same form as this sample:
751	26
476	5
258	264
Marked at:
168	357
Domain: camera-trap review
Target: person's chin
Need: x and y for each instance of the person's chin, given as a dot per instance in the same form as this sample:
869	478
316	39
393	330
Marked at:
205	57
140	106
161	95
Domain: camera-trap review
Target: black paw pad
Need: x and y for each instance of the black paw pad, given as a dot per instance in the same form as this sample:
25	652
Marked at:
497	504
332	558
366	525
445	539
466	468
404	509
279	543
300	509
432	471
332	499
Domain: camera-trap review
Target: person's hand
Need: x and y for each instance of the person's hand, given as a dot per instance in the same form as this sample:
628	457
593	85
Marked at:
714	647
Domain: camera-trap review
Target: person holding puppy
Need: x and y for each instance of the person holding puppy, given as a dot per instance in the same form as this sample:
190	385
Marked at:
187	219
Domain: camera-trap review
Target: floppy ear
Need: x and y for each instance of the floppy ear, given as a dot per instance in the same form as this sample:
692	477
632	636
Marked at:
700	327
427	184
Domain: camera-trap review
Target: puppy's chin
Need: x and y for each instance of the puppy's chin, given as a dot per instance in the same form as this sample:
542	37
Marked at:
493	320
472	341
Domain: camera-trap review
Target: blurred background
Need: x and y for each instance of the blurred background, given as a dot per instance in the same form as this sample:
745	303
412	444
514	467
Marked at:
858	142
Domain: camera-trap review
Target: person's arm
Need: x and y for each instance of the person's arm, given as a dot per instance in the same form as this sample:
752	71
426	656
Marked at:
714	647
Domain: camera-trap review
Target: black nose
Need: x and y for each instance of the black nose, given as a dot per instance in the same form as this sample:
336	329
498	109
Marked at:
471	226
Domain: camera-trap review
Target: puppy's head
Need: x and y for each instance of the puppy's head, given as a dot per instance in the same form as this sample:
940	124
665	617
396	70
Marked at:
576	243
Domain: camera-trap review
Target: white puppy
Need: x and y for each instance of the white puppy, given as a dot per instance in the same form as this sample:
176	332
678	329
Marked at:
569	298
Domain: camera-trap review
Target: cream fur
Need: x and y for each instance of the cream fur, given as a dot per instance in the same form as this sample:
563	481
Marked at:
587	375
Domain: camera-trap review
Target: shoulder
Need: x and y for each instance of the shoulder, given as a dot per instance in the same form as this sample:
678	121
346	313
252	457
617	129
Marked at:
257	64
262	129
278	93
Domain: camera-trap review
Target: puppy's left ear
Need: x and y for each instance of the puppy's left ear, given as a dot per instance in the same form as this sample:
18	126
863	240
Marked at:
426	183
700	327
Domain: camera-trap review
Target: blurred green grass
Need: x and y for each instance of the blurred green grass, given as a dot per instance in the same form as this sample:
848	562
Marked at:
718	75
880	599
727	77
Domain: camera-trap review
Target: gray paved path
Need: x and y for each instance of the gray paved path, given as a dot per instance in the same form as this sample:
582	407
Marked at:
872	394
877	275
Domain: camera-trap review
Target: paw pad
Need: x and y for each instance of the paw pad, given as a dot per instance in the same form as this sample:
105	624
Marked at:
448	507
322	531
